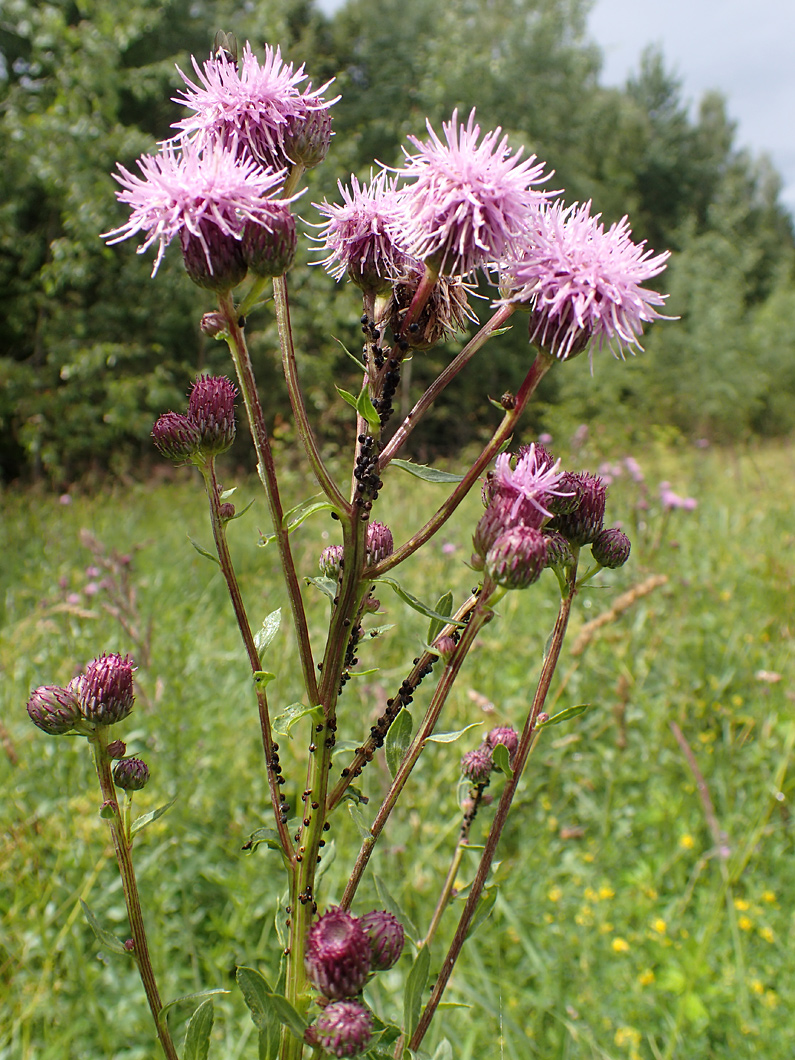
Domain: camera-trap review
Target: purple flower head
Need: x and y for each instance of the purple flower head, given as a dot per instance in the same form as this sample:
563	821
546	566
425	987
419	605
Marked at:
105	690
476	765
469	204
362	235
330	560
176	437
54	709
131	774
205	196
386	936
517	557
582	523
380	542
344	1028
211	409
256	106
506	735
582	282
529	484
611	548
337	954
672	500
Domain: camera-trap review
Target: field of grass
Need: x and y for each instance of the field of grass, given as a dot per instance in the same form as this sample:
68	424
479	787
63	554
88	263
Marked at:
641	914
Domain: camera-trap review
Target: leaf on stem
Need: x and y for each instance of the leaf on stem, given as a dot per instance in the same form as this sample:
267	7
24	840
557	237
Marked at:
268	837
147	818
418	605
397	741
203	551
327	586
363	405
196	996
269	629
290	715
359	819
427	474
564	715
109	941
502	760
197	1035
297	515
451	737
444	606
414	990
256	994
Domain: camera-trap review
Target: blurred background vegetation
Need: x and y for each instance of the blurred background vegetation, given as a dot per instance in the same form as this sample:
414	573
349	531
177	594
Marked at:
92	351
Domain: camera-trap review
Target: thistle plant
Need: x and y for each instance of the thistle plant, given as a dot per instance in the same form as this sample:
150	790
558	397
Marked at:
411	242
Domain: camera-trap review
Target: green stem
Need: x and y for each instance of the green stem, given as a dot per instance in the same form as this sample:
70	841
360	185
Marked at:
480	616
122	847
302	424
434	390
267	472
540	367
523	750
227	569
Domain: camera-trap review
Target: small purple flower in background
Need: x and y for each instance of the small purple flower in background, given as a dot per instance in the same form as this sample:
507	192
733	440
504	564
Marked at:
469	203
206	197
582	282
64	499
545	438
251	105
634	469
671	500
362	235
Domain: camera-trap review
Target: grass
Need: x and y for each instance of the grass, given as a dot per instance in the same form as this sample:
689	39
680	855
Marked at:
628	924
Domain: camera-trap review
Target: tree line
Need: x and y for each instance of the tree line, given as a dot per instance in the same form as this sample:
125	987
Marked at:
92	350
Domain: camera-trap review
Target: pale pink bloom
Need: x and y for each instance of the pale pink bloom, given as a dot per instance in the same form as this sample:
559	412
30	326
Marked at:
362	235
253	103
582	282
203	193
671	500
469	203
634	469
527	487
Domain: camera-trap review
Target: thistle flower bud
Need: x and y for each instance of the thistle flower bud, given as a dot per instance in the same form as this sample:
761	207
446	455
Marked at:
379	543
386	937
581	525
517	557
213	260
559	553
337	957
494	522
55	710
105	690
344	1028
131	774
476	765
269	251
226	510
306	137
176	437
506	735
330	561
611	548
213	325
211	409
117	749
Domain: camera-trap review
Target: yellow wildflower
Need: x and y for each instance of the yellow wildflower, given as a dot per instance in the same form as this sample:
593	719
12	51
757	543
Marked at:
745	923
741	904
554	894
687	841
659	925
620	945
768	896
606	892
646	977
767	934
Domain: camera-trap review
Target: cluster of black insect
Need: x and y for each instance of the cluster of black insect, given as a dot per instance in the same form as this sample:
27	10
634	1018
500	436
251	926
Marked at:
368	481
351	658
383	357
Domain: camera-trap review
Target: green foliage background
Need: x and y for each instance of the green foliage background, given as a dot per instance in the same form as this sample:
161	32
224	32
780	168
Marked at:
92	350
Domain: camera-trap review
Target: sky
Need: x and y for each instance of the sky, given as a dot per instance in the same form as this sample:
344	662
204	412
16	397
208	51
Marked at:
744	49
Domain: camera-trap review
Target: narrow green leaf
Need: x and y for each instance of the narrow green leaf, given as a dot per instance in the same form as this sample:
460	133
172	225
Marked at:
444	1050
197	1035
283	722
105	938
242	512
451	737
356	360
391	905
502	760
427	474
297	515
418	605
147	818
287	1015
367	409
444	606
398	738
377	631
268	837
359	819
198	995
268	630
483	911
228	493
346	396
414	990
565	715
256	994
203	551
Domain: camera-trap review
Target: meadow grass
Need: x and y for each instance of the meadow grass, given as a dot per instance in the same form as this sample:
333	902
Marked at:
630	922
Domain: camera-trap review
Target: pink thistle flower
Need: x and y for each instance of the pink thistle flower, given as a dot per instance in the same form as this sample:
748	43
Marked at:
207	194
672	500
470	203
583	282
362	234
254	104
528	486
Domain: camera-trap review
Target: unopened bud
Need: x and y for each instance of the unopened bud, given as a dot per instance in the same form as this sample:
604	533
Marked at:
611	548
211	408
477	765
55	710
330	561
337	957
117	749
386	936
131	774
269	251
105	691
517	557
344	1028
213	325
176	437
